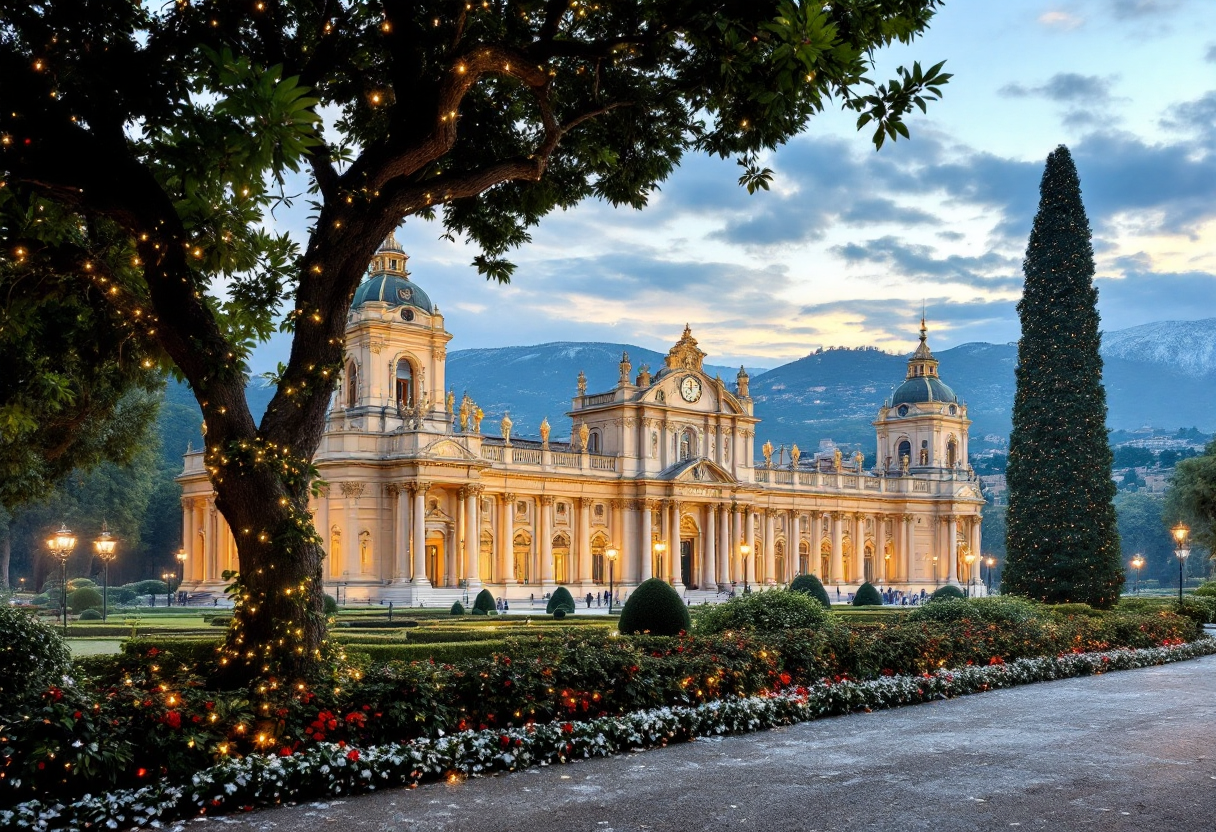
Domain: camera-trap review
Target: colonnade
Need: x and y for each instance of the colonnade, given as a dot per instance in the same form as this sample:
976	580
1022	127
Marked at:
731	542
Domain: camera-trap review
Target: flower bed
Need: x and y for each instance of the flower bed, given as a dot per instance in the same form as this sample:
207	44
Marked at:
332	769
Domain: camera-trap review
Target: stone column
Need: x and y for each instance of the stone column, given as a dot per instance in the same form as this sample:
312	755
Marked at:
645	554
619	538
583	573
401	538
506	534
546	541
770	555
816	545
793	555
670	535
736	540
352	563
211	540
952	548
674	577
909	546
723	534
749	537
418	527
837	548
472	537
709	551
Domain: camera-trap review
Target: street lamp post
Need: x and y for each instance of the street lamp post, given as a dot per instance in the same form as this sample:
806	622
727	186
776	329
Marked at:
1180	532
105	546
659	549
990	562
936	580
969	559
168	577
1137	564
181	560
610	553
744	551
61	546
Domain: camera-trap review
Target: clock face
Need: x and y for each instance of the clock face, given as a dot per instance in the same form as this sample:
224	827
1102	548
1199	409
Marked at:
690	389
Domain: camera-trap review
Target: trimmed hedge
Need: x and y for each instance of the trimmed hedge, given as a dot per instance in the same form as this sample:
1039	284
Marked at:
85	598
445	653
655	608
947	591
867	596
812	586
560	599
773	610
33	657
91	614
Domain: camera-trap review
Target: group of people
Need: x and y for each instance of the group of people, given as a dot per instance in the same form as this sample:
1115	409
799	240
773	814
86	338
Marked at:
891	597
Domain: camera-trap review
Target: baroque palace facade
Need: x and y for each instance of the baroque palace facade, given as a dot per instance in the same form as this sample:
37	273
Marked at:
422	505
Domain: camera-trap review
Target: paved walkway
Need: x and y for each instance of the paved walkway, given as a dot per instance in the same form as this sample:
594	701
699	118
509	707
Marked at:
1134	750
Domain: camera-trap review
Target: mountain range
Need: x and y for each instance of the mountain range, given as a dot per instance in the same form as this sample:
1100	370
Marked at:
1161	374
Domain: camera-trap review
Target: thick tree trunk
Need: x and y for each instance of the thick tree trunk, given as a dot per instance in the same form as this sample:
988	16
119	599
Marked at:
278	625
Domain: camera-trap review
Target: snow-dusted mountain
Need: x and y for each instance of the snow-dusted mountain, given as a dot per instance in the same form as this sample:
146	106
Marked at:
1189	347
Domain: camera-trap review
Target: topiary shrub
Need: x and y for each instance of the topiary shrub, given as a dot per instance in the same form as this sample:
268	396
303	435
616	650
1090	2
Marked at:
1206	589
87	597
457	608
770	611
149	587
33	656
476	611
40	601
120	595
1201	610
947	591
867	596
559	613
1006	609
560	599
654	607
91	615
331	605
484	602
1075	609
812	586
77	583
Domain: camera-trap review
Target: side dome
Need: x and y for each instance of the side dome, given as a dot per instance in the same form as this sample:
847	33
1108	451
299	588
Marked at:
922	389
394	290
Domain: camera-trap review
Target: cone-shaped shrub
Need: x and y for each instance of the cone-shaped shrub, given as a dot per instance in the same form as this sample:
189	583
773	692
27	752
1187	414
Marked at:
813	587
867	596
484	601
656	608
947	591
457	608
560	599
331	605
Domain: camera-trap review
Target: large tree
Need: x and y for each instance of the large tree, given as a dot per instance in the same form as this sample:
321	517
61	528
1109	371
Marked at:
1062	539
178	124
1192	497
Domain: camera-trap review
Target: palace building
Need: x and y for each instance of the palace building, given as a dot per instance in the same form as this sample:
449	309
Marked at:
424	504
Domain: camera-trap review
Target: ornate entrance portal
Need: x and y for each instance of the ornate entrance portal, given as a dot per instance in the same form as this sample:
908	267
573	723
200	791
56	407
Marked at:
686	575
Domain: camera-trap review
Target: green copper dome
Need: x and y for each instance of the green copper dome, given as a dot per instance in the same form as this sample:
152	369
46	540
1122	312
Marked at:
921	390
394	290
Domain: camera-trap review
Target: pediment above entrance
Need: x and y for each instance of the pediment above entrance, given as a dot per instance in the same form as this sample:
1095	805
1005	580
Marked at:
698	471
447	449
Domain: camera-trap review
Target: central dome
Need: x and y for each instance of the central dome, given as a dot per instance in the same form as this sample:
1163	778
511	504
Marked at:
922	389
393	289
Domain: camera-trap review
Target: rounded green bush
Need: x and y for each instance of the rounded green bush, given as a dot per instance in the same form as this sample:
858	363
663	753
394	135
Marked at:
149	587
484	602
942	610
558	614
1076	609
40	600
947	591
121	595
33	655
91	614
87	597
867	596
77	583
331	605
1206	589
457	608
476	611
812	586
1004	609
560	599
654	607
776	609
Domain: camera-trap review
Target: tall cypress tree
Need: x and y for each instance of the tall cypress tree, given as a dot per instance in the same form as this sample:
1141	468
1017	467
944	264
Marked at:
1062	539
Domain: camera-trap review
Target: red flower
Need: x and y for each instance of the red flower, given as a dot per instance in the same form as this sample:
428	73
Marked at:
284	752
568	727
77	715
353	754
173	719
154	652
785	678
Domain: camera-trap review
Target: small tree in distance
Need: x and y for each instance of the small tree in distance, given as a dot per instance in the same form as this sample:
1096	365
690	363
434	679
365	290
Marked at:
1062	540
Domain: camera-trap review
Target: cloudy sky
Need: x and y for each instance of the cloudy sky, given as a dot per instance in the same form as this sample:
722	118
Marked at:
849	242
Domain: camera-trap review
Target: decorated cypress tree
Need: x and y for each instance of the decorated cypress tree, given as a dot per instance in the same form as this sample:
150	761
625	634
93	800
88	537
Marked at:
1061	537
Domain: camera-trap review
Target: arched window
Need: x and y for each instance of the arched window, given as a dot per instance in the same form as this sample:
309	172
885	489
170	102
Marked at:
561	558
485	556
779	561
951	453
867	566
804	558
352	384
405	384
593	442
688	444
522	549
905	452
599	565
